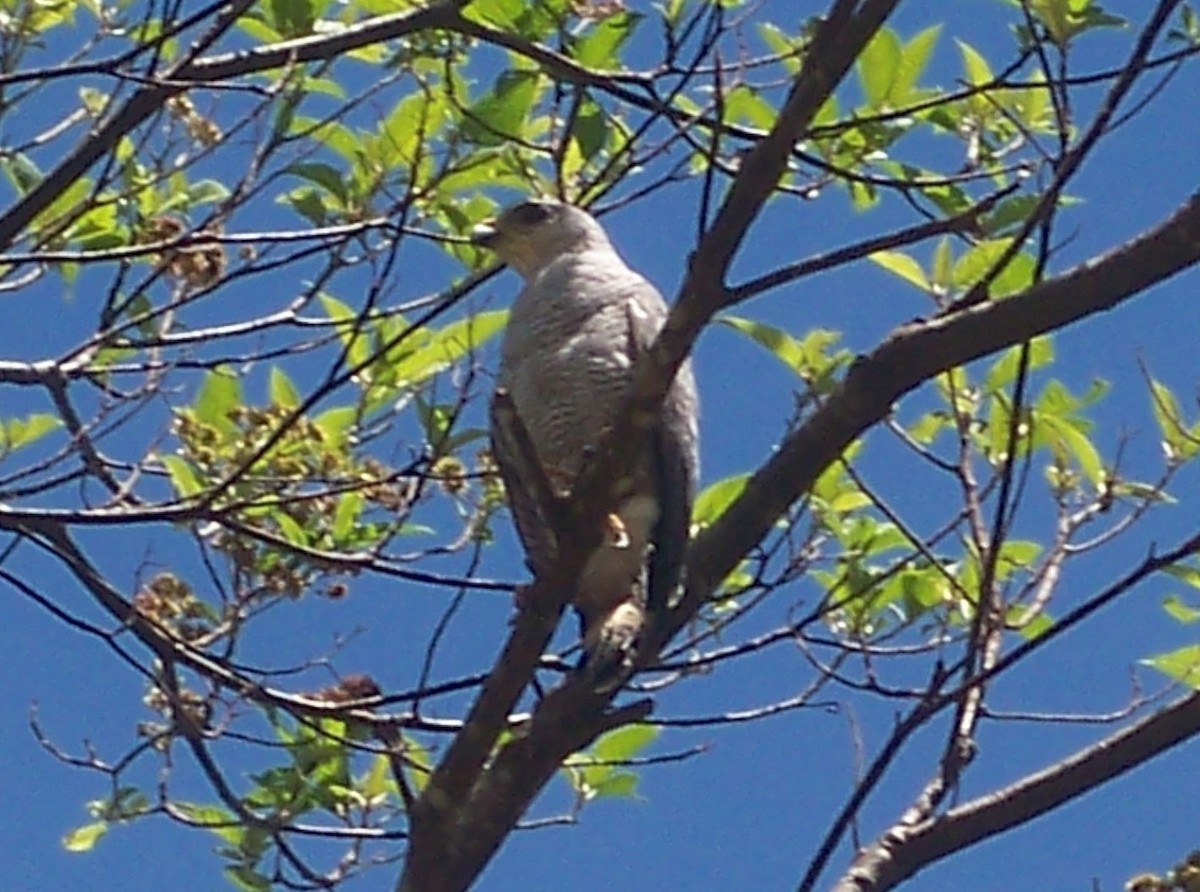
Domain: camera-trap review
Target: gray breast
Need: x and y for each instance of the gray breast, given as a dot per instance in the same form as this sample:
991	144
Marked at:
567	359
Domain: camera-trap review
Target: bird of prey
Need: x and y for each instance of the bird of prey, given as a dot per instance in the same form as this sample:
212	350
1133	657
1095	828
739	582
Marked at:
567	360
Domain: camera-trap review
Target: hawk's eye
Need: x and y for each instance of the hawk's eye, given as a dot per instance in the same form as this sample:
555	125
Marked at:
532	213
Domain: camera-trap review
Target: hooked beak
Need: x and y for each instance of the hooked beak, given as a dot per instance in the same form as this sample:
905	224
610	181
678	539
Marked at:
484	234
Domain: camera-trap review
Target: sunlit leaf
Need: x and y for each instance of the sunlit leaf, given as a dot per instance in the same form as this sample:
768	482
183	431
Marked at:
448	345
810	358
283	392
904	266
913	62
500	115
18	432
219	396
183	475
624	743
1003	372
1179	610
600	47
1182	665
715	498
84	839
335	423
977	70
878	66
1178	442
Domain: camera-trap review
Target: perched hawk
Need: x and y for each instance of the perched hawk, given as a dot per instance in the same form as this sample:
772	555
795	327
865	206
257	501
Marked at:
566	362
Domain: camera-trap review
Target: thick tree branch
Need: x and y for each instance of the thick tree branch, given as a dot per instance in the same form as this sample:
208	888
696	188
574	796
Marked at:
908	849
889	847
914	354
466	808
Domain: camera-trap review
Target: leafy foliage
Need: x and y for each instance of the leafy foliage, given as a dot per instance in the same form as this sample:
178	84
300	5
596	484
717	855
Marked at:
283	375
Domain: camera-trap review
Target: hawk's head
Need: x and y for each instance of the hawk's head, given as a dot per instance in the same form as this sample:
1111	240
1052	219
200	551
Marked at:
532	233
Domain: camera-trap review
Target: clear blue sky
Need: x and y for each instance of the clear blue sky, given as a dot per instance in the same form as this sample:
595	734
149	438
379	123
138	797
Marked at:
748	813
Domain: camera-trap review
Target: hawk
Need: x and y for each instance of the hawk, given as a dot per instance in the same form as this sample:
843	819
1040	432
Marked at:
567	360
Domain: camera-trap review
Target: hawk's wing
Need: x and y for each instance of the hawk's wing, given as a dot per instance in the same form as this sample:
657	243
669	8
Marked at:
532	525
672	456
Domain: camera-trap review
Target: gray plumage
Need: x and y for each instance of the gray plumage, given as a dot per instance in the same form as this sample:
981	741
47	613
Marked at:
567	360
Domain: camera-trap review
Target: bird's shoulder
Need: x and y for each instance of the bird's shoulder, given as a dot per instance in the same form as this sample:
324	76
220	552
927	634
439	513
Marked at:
596	277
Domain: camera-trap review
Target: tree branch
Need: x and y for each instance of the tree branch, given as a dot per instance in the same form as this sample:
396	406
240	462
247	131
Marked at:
190	71
469	809
914	354
905	850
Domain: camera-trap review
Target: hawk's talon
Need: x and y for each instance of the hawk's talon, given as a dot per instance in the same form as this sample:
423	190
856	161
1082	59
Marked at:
611	651
617	531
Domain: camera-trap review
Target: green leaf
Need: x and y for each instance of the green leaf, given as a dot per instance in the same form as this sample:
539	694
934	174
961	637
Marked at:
1016	277
348	322
1066	19
1004	371
349	507
247	879
589	129
411	124
914	60
259	30
183	475
712	502
291	529
979	261
1176	608
1069	443
624	743
1182	665
216	818
324	175
879	66
336	423
594	780
1035	627
601	46
976	67
206	192
500	115
282	391
309	204
1017	554
621	784
745	105
940	269
929	427
22	172
18	432
779	43
1185	573
1010	213
219	395
447	346
904	266
293	18
505	14
377	783
1032	106
1179	443
809	358
332	134
84	839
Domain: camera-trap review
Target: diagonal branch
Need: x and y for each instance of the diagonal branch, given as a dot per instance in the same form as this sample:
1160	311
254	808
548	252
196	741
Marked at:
467	806
914	354
907	850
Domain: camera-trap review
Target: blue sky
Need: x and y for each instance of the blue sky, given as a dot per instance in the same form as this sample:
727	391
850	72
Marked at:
750	811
